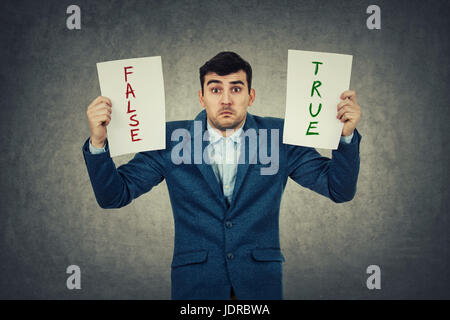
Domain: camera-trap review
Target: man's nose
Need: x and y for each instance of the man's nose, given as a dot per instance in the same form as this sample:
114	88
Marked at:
226	98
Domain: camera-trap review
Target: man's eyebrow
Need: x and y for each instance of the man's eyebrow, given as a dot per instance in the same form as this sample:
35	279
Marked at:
237	82
213	81
218	81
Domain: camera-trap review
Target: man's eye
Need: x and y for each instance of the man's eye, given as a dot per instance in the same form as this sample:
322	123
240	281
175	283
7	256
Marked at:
215	90
236	89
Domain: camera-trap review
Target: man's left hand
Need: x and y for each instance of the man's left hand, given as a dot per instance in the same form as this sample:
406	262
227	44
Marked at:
349	112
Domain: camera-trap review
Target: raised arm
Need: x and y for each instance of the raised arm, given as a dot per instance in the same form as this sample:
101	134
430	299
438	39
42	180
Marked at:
334	178
116	187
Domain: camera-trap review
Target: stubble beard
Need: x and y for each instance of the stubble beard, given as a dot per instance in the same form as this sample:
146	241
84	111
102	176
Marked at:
234	125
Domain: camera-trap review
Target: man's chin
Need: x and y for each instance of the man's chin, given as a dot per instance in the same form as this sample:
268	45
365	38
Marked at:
228	125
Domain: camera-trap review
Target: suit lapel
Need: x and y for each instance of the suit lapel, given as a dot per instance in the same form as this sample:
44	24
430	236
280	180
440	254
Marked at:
197	130
243	166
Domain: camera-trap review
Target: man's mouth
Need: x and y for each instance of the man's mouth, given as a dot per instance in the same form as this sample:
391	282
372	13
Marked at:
224	113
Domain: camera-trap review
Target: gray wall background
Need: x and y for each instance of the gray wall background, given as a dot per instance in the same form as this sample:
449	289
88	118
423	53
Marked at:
49	217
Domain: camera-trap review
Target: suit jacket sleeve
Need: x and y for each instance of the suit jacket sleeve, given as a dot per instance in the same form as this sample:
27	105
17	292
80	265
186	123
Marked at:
117	187
334	178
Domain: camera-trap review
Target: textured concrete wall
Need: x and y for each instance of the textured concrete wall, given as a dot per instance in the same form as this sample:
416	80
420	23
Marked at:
49	217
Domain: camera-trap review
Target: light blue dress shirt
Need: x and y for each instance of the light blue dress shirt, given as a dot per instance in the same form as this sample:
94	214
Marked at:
223	155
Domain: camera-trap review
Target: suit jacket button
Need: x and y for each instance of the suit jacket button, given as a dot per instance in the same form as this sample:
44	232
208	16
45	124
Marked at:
229	224
230	256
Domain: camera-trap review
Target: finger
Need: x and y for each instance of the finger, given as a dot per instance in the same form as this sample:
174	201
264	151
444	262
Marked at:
350	107
344	118
101	118
350	94
106	107
347	116
343	111
100	100
344	103
100	105
104	99
94	114
100	108
104	121
107	121
103	114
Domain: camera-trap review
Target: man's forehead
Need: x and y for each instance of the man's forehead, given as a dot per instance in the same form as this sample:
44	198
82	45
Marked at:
240	75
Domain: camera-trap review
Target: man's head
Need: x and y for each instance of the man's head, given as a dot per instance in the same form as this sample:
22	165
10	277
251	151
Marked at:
226	91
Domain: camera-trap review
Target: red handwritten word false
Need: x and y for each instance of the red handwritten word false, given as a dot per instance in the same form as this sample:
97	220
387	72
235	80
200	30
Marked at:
129	109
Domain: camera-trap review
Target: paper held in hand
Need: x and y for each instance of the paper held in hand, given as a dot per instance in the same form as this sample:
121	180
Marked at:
136	90
315	82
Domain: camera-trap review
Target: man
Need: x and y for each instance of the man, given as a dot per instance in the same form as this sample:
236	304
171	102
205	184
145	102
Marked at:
225	212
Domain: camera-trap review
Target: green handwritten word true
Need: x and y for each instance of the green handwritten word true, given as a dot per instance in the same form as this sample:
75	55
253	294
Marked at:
316	84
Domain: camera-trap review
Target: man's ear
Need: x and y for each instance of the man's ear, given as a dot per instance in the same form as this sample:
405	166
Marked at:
252	96
200	98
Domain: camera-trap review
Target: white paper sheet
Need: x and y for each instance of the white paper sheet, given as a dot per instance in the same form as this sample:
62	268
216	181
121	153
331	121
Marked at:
303	127
136	90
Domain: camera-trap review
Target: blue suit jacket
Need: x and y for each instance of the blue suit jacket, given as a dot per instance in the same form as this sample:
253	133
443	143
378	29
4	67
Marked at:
217	246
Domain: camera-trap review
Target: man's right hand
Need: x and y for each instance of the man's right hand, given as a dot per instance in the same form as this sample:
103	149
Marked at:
99	116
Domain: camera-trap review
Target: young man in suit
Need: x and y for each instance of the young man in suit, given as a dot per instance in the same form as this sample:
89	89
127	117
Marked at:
225	204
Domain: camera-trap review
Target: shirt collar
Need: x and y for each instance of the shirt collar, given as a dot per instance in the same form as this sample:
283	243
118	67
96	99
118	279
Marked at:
215	136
